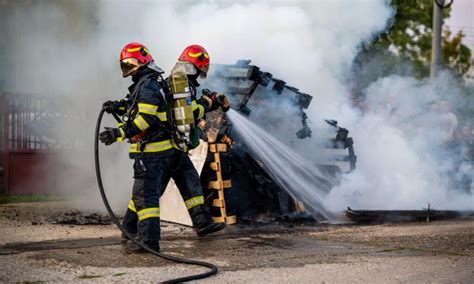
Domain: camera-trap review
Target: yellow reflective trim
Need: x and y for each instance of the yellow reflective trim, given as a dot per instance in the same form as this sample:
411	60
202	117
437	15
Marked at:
194	55
195	201
141	123
175	146
122	135
152	147
131	206
162	116
147	108
201	112
137	49
186	148
133	49
194	105
152	212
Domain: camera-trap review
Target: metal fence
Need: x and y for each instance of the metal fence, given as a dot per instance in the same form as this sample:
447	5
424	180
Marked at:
20	114
32	122
32	129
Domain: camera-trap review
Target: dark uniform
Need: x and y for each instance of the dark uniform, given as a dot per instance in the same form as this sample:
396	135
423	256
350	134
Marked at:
157	158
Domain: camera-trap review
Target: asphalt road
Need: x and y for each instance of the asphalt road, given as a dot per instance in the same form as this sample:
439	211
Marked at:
33	250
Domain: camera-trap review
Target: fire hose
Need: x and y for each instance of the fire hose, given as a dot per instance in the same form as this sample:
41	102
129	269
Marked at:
212	267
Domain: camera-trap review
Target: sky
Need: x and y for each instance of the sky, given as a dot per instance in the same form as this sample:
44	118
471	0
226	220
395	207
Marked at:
462	18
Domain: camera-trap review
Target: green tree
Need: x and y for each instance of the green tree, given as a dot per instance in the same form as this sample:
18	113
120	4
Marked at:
405	47
454	53
410	37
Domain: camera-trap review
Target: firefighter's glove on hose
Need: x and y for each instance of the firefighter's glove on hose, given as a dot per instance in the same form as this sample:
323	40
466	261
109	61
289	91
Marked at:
216	100
114	107
223	102
111	135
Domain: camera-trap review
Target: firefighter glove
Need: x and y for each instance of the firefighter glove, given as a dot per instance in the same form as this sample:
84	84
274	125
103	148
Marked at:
223	102
112	106
110	135
209	95
216	100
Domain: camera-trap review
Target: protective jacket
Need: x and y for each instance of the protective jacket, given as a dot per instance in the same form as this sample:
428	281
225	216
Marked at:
153	174
147	116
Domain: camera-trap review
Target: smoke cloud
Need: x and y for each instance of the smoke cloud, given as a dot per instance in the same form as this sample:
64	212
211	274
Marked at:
409	125
71	49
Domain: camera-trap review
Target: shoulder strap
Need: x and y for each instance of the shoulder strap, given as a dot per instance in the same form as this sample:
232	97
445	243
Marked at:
134	94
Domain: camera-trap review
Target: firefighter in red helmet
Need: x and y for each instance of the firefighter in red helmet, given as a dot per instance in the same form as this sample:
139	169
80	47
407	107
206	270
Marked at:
144	114
154	147
133	56
196	61
198	56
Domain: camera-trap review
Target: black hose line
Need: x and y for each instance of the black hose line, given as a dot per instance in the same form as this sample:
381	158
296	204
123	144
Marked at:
211	266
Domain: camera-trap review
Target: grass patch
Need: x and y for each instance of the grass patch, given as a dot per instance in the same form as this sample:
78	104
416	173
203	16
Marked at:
87	276
7	198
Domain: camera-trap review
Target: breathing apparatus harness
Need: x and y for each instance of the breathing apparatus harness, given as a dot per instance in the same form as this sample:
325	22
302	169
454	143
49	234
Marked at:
213	268
178	97
182	93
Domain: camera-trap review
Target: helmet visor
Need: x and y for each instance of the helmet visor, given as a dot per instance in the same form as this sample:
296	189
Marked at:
129	66
203	73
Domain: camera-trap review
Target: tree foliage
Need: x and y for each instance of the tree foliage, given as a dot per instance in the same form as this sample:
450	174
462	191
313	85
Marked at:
410	37
409	40
405	49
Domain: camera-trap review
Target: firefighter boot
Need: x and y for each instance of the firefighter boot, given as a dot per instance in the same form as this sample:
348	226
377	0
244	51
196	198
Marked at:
125	239
129	223
133	248
202	221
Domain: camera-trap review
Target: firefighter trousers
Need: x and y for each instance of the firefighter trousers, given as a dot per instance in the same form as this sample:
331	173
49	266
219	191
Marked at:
178	167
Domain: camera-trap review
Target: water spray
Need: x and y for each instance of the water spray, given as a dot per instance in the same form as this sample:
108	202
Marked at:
301	178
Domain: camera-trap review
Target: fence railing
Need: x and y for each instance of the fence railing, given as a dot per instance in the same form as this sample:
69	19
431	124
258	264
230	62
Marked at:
33	125
33	122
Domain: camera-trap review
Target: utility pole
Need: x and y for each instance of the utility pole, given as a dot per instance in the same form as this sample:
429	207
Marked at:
438	7
436	41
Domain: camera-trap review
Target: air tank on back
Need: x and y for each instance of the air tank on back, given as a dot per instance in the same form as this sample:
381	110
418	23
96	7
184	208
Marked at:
182	110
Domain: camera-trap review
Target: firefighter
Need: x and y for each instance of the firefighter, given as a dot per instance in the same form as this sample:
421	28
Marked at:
194	61
144	115
157	158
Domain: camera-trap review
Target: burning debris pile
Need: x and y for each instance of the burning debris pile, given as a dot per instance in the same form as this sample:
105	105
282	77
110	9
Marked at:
398	216
278	108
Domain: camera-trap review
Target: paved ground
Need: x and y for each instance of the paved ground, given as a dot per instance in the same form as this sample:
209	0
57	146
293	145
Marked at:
33	250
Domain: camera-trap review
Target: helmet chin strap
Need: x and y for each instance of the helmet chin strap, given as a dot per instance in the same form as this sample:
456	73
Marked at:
193	80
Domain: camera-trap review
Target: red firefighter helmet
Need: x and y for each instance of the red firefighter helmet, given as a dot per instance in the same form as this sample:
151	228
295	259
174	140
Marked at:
198	56
133	56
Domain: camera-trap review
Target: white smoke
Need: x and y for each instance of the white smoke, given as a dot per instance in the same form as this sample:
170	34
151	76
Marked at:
403	147
71	48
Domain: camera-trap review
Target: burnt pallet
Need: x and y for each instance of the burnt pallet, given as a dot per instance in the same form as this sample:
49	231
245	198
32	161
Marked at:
399	216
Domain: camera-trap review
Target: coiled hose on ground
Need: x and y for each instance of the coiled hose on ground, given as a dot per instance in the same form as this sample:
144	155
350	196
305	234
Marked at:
212	267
